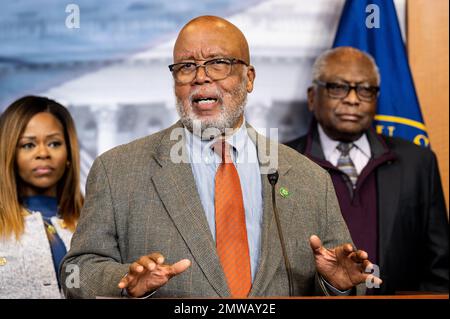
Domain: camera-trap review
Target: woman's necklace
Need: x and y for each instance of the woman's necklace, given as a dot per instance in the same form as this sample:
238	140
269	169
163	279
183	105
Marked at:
51	230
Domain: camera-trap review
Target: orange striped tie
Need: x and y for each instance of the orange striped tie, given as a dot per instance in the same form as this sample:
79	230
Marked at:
231	232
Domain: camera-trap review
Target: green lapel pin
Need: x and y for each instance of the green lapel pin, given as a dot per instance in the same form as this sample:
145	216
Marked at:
284	192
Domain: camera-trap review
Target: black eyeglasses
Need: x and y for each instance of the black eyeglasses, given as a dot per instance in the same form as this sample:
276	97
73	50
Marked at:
341	90
216	69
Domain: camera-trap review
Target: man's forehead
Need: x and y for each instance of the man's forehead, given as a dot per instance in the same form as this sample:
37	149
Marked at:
201	53
204	49
357	68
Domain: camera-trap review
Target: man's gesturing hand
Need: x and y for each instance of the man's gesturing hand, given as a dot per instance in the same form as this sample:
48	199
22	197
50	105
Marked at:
149	273
341	266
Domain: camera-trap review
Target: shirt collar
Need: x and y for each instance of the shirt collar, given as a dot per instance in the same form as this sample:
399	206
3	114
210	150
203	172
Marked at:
329	145
238	141
363	145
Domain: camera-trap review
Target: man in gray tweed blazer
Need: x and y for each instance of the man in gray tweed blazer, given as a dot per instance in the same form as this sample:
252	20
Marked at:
148	224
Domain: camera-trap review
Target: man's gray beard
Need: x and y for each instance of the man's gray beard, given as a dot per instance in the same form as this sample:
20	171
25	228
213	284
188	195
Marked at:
226	120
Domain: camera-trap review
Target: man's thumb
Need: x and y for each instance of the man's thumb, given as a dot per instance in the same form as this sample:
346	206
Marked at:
316	244
180	266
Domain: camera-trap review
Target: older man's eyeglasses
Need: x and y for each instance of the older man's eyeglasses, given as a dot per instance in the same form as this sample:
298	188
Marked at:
341	90
216	69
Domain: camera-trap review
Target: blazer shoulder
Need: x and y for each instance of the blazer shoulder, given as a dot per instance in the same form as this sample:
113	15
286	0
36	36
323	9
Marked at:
144	147
408	150
300	163
298	144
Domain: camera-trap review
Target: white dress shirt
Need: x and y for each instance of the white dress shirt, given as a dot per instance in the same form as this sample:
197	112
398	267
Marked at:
360	154
204	164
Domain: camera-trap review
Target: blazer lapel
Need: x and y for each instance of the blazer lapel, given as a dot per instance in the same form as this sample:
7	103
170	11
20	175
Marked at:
388	184
388	178
271	255
176	187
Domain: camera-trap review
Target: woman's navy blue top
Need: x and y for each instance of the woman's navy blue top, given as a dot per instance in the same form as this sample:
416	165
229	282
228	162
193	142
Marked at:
48	207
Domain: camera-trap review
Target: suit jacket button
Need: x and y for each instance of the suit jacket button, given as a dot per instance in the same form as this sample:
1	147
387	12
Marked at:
2	261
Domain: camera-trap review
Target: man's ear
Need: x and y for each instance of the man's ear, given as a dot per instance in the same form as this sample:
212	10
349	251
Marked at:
311	97
251	74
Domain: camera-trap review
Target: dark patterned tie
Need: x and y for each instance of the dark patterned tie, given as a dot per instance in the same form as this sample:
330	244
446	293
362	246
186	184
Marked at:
345	164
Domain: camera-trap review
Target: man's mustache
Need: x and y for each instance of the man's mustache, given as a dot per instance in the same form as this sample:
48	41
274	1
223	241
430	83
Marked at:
199	92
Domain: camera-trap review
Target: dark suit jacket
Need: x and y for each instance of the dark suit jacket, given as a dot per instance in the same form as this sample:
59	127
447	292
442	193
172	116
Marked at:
413	227
140	201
